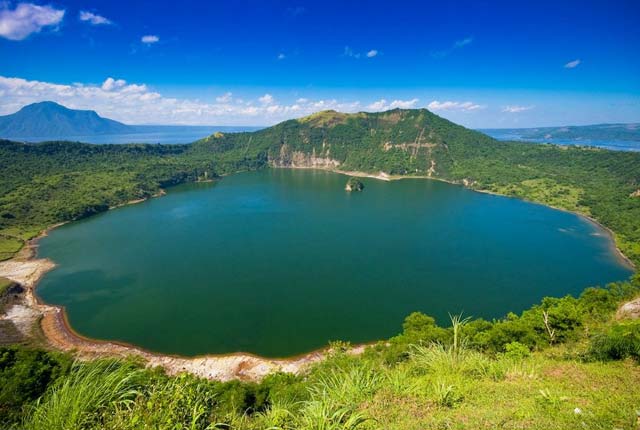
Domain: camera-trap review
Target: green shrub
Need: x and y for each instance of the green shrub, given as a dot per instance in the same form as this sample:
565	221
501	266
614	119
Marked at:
25	374
417	329
182	402
620	341
445	394
516	351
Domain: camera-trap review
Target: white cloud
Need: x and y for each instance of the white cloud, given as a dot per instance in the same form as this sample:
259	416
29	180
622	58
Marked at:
26	19
456	45
572	64
463	42
516	109
93	18
281	56
382	105
110	84
266	99
348	52
454	106
225	98
379	105
149	39
138	104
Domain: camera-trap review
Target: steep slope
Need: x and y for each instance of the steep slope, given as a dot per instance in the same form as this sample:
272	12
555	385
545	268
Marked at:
397	142
49	119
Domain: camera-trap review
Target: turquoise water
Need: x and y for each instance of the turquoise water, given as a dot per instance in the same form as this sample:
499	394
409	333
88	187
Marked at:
279	262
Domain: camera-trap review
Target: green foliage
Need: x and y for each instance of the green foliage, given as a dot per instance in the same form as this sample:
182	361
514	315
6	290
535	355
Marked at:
445	394
25	375
78	400
418	329
516	351
354	184
620	341
4	285
176	403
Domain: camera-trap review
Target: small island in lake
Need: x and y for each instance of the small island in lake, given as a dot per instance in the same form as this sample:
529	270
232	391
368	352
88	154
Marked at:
353	184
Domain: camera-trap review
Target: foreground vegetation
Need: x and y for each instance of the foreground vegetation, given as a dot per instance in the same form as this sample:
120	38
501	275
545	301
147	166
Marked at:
48	183
565	363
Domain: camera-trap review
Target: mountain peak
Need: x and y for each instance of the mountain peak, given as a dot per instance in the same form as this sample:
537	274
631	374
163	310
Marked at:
48	119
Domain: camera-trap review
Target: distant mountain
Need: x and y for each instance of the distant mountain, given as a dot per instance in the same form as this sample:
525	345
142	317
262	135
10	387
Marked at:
626	132
49	119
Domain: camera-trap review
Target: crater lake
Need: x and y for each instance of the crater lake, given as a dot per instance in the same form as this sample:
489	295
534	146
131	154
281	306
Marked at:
280	262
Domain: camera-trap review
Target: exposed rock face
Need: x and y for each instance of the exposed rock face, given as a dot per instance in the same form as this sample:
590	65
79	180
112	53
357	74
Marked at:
636	193
299	159
630	310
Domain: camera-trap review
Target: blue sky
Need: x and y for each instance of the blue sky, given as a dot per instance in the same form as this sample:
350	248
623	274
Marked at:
479	63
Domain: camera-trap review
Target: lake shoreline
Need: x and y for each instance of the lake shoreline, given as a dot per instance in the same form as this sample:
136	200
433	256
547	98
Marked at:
386	177
27	269
51	323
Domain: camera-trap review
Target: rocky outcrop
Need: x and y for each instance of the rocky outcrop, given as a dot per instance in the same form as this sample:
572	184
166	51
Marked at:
298	159
353	184
636	193
630	310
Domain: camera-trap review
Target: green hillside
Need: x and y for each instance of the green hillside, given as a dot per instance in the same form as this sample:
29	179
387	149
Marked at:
52	182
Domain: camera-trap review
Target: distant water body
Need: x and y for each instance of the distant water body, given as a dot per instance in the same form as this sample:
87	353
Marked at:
178	134
167	134
615	145
279	262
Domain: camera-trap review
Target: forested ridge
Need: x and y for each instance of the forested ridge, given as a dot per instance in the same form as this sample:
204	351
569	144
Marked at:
51	182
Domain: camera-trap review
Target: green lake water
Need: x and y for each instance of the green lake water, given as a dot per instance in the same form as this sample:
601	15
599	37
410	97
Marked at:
280	262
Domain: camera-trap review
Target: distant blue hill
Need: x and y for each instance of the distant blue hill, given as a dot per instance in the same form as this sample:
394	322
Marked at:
617	137
628	132
49	119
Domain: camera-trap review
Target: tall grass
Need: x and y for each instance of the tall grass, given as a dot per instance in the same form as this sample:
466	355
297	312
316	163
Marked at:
320	415
457	322
347	387
182	402
78	401
336	397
